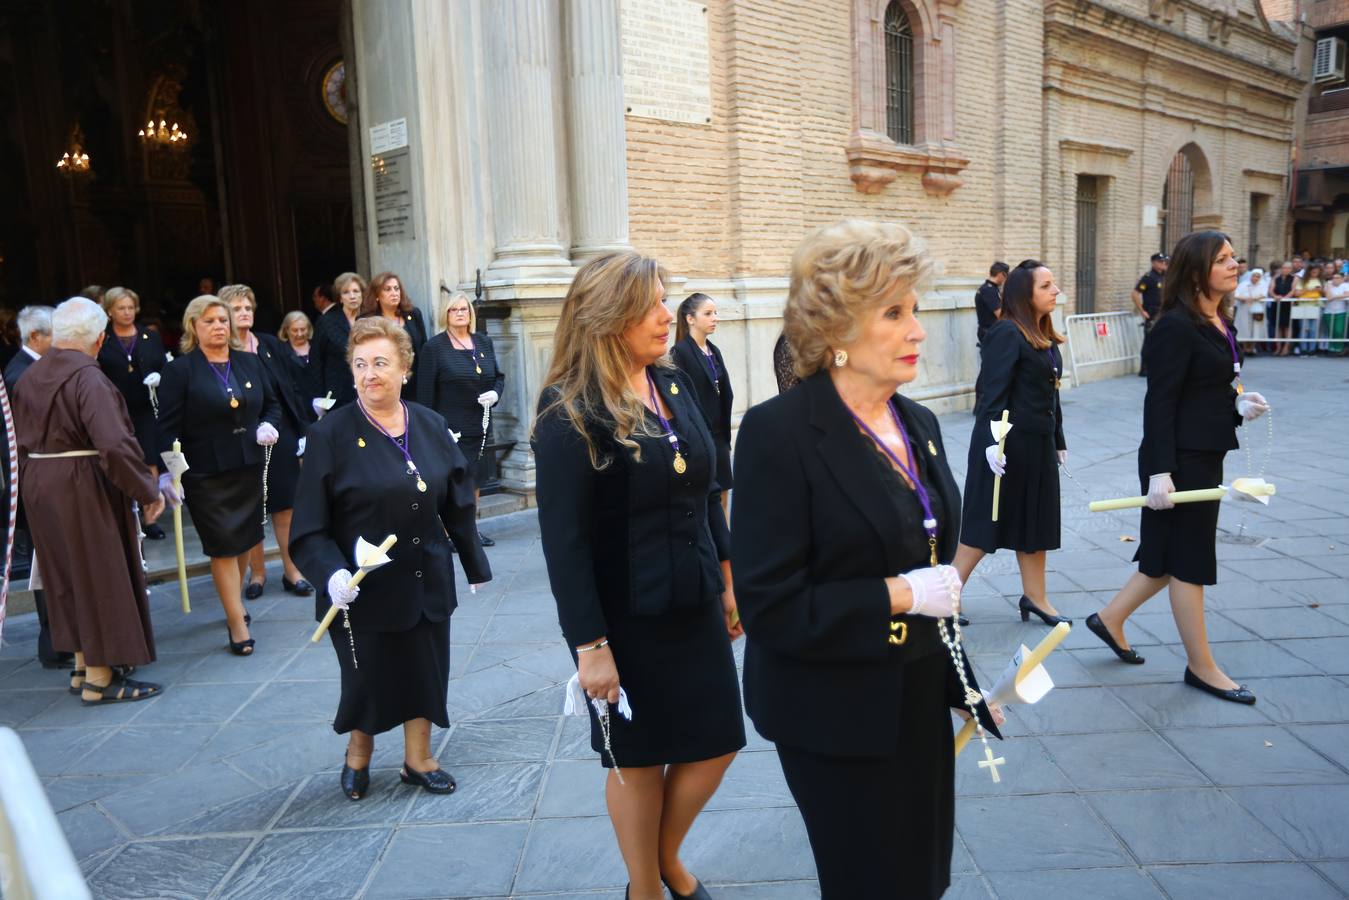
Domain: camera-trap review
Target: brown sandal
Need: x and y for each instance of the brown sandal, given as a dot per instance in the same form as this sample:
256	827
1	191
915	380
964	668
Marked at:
127	690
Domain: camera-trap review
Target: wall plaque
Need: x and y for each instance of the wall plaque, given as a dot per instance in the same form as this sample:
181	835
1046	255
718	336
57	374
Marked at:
392	172
666	73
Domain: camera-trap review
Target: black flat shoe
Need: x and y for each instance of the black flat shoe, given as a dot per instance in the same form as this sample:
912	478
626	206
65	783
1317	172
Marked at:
254	590
300	586
962	621
154	533
1027	607
1097	627
437	781
699	892
485	540
1236	695
355	782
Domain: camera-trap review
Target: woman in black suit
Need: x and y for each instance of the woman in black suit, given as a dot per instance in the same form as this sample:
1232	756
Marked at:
385	297
458	377
219	402
297	340
635	541
133	358
283	469
1191	412
844	521
1019	372
330	338
376	467
695	321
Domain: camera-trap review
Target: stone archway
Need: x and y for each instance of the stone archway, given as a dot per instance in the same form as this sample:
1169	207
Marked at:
1188	202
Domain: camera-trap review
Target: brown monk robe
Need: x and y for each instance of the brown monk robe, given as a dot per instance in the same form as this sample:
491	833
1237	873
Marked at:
83	526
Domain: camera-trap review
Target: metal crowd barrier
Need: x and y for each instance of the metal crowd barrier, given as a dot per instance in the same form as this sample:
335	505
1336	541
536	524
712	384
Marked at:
1104	339
36	862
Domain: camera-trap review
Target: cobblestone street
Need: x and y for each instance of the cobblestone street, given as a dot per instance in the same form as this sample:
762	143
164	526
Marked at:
1122	782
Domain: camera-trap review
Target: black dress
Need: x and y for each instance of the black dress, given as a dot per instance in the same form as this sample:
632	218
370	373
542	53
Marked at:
305	371
355	483
449	382
633	554
283	471
329	354
712	383
223	486
1189	424
862	725
126	362
1014	376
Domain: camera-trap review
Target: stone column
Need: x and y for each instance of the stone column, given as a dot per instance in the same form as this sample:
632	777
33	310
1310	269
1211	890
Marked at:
597	141
521	132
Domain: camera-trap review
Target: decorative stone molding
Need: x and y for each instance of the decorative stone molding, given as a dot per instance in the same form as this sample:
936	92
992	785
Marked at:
874	160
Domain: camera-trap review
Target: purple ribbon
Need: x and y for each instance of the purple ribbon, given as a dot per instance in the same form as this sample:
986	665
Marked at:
712	367
929	519
225	378
1232	345
1053	366
405	445
664	422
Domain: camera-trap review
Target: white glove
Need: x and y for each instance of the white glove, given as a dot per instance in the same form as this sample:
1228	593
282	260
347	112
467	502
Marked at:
1063	457
174	498
299	446
488	398
1159	486
995	462
320	406
151	380
340	589
1251	405
936	591
266	435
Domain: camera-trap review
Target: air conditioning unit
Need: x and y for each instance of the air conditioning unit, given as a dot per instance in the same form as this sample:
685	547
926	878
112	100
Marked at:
1329	63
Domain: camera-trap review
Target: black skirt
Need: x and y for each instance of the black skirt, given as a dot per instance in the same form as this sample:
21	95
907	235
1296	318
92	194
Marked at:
1028	506
397	676
679	675
1181	542
883	828
471	447
143	424
226	509
283	472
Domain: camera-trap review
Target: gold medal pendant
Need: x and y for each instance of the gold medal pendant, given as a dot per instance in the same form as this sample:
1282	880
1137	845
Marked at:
421	485
680	466
130	367
478	369
234	403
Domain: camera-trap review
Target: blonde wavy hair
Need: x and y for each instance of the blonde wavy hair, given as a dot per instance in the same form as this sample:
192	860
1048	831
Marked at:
591	361
230	291
839	273
195	310
117	293
291	318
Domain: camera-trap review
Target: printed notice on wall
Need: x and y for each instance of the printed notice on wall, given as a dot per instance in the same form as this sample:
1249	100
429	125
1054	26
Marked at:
392	172
388	136
665	60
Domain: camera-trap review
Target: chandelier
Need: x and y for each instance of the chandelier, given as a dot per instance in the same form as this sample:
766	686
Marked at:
74	162
163	134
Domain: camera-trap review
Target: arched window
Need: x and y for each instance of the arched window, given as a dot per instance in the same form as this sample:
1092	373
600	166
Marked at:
1177	202
898	75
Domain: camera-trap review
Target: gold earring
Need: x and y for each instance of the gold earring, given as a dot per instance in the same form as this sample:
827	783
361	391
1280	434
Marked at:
840	358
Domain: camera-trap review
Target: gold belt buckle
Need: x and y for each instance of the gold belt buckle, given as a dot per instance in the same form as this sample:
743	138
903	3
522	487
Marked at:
903	633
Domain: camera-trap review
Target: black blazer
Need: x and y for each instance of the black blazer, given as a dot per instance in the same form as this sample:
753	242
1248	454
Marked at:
329	353
194	408
295	401
17	366
1191	400
716	406
306	373
811	549
147	355
448	381
416	329
355	483
635	537
987	301
1015	376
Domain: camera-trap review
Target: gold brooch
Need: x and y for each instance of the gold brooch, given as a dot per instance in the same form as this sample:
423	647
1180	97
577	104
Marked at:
674	388
898	639
932	448
360	442
248	384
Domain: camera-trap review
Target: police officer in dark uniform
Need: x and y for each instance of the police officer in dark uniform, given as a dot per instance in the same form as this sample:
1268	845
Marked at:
1147	297
988	299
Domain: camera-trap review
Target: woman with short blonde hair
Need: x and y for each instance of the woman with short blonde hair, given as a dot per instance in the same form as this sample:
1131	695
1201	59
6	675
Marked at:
330	338
635	542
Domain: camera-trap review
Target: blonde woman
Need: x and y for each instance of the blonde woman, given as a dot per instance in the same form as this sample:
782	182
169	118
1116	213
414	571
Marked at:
296	334
219	402
330	339
636	547
458	377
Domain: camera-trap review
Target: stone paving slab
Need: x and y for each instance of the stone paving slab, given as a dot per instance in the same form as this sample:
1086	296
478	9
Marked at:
1122	783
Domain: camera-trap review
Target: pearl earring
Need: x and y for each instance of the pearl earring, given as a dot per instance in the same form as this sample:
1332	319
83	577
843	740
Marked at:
840	358
405	379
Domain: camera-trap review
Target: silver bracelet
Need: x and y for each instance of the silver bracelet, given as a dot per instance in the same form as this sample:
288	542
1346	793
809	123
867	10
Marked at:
595	646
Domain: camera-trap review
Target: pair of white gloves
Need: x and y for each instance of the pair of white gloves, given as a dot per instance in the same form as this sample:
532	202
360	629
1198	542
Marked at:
266	436
998	462
1250	405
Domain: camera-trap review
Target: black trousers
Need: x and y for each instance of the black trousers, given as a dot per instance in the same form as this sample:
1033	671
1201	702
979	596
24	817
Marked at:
45	652
883	828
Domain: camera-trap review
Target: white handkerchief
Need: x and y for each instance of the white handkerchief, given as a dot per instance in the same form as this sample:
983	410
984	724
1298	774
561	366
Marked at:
574	702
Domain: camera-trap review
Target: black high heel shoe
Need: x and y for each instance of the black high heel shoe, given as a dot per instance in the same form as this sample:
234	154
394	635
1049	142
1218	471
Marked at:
355	782
1097	627
699	892
239	648
1027	607
1240	694
437	781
